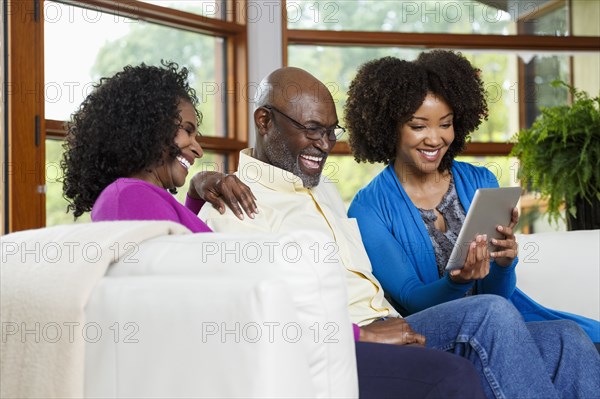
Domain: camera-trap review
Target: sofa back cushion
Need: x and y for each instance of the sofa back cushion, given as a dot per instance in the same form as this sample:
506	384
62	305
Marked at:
561	270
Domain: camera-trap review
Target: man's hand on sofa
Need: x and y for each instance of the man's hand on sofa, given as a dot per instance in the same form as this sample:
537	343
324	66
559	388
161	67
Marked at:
391	331
220	189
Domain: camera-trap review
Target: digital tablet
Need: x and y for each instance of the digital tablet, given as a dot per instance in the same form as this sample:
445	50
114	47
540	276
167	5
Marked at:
490	207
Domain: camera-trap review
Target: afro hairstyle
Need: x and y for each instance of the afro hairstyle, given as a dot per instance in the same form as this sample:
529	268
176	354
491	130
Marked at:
387	92
124	126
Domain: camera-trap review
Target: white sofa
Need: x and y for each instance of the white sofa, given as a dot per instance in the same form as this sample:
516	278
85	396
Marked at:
209	315
562	270
192	315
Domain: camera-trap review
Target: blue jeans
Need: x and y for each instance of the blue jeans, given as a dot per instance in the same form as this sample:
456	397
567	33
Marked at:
548	359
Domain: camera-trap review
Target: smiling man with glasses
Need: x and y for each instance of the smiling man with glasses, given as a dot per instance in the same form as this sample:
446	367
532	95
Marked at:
294	136
293	146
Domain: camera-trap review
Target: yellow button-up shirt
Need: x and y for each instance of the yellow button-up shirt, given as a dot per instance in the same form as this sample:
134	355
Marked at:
286	205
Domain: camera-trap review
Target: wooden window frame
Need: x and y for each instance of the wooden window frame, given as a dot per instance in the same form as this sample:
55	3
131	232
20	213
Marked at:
28	130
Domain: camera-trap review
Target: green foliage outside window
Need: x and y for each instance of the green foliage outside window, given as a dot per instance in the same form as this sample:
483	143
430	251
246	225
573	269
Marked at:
150	43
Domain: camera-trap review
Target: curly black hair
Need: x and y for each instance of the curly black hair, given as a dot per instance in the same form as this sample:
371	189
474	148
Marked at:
124	126
388	91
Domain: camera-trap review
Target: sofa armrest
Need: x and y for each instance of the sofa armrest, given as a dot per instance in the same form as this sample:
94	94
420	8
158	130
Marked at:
219	315
561	270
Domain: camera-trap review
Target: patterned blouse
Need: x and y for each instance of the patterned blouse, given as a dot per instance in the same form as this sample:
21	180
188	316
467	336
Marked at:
454	215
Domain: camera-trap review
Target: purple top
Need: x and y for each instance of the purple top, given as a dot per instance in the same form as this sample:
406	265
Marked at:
356	330
134	199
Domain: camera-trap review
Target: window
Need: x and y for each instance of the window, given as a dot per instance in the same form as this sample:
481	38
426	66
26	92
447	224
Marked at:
520	45
441	16
113	41
207	8
336	67
54	74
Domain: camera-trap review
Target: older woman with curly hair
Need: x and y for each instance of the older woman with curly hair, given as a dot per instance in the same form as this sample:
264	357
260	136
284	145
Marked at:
416	117
133	139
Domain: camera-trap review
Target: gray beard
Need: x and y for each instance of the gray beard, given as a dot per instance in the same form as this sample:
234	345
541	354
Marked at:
279	155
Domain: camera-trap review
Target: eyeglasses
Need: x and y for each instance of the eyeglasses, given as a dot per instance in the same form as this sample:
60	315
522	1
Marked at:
316	132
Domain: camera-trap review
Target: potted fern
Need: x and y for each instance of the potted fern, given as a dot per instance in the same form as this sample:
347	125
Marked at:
560	158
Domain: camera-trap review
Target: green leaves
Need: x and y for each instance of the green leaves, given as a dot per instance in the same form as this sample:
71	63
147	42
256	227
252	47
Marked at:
560	153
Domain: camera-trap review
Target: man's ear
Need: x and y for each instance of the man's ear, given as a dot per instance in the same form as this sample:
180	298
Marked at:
262	120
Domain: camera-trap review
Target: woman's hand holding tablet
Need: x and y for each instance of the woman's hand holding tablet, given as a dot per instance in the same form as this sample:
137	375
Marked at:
492	215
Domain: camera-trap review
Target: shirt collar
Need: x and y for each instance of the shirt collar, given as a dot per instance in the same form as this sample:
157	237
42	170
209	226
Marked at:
254	170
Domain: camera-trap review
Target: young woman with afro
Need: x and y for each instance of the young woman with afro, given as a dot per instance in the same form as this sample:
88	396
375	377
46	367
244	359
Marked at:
133	139
416	117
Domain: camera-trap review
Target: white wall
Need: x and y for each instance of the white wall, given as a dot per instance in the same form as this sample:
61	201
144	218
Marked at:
2	143
264	48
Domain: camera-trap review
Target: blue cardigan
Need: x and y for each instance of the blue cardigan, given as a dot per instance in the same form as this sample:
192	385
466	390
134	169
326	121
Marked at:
403	258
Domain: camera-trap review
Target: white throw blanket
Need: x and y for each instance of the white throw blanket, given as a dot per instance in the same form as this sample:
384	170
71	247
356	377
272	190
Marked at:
47	276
